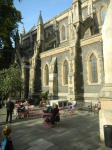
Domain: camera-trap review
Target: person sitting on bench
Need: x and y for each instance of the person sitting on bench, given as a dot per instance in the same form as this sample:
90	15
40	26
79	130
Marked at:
97	107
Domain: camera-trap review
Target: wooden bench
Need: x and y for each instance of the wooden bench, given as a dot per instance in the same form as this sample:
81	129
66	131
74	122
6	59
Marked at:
84	106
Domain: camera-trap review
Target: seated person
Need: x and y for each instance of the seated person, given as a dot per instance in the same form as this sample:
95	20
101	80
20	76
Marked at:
47	103
48	109
98	107
21	107
53	112
26	104
73	104
42	102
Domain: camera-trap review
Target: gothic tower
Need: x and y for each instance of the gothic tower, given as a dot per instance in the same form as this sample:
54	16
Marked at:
35	62
75	21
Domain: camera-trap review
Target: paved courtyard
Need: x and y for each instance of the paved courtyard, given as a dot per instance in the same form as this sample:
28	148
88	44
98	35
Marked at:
80	132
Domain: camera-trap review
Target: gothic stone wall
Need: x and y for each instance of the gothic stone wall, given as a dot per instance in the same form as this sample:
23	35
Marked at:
91	91
62	90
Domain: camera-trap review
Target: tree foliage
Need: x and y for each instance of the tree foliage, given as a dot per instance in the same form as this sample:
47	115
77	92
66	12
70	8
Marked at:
10	80
44	95
9	19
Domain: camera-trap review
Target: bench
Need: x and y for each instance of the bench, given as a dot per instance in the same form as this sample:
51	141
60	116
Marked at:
84	106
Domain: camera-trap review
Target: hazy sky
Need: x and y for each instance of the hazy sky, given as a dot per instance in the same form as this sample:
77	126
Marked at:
30	10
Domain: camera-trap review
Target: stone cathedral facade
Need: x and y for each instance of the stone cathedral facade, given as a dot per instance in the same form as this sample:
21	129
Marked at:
65	55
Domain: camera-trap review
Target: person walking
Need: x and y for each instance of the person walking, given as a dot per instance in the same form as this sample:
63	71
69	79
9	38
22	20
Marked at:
9	107
7	141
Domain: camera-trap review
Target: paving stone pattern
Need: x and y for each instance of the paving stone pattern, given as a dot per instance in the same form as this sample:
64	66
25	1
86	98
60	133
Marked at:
80	132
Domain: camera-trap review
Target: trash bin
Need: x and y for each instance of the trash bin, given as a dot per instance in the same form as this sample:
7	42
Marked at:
108	135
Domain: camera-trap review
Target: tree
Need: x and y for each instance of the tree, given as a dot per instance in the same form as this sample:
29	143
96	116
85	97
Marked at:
10	80
9	19
44	95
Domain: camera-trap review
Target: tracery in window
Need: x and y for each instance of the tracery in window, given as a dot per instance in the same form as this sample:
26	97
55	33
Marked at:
94	72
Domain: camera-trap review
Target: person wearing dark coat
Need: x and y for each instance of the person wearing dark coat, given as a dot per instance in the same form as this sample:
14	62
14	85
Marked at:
57	117
9	107
53	116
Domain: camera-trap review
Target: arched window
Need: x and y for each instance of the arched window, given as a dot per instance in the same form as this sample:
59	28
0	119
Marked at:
46	75
65	72
94	73
103	14
63	33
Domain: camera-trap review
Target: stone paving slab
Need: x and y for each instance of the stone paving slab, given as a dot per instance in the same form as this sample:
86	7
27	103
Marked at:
80	132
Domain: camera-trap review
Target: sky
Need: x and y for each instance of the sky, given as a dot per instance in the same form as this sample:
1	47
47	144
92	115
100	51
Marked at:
30	10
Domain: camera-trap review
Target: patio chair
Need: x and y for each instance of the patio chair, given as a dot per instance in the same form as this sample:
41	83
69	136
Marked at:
30	111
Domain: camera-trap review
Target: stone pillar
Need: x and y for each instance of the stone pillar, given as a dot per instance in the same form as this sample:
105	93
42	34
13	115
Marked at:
53	81
105	115
53	85
23	77
32	79
71	75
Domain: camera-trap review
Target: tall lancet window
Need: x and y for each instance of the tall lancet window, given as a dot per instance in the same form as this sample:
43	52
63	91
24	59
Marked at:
46	75
65	72
103	14
63	32
94	72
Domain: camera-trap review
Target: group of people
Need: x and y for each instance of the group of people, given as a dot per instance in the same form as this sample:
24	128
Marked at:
21	109
53	117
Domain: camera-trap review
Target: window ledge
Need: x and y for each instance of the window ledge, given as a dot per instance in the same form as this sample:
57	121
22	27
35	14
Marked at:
94	83
65	85
63	41
46	86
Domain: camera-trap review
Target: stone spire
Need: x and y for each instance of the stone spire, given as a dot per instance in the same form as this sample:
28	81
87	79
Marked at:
40	29
23	31
55	25
40	20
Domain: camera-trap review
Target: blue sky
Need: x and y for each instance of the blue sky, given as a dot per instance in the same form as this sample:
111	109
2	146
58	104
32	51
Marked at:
30	10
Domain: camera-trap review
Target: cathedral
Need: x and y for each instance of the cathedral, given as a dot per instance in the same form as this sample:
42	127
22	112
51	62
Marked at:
65	54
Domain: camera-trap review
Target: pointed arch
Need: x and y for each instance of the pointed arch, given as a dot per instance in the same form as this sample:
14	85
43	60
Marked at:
63	32
102	13
65	71
93	68
46	75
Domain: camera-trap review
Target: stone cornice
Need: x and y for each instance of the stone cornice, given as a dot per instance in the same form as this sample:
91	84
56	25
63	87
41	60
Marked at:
90	40
54	51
